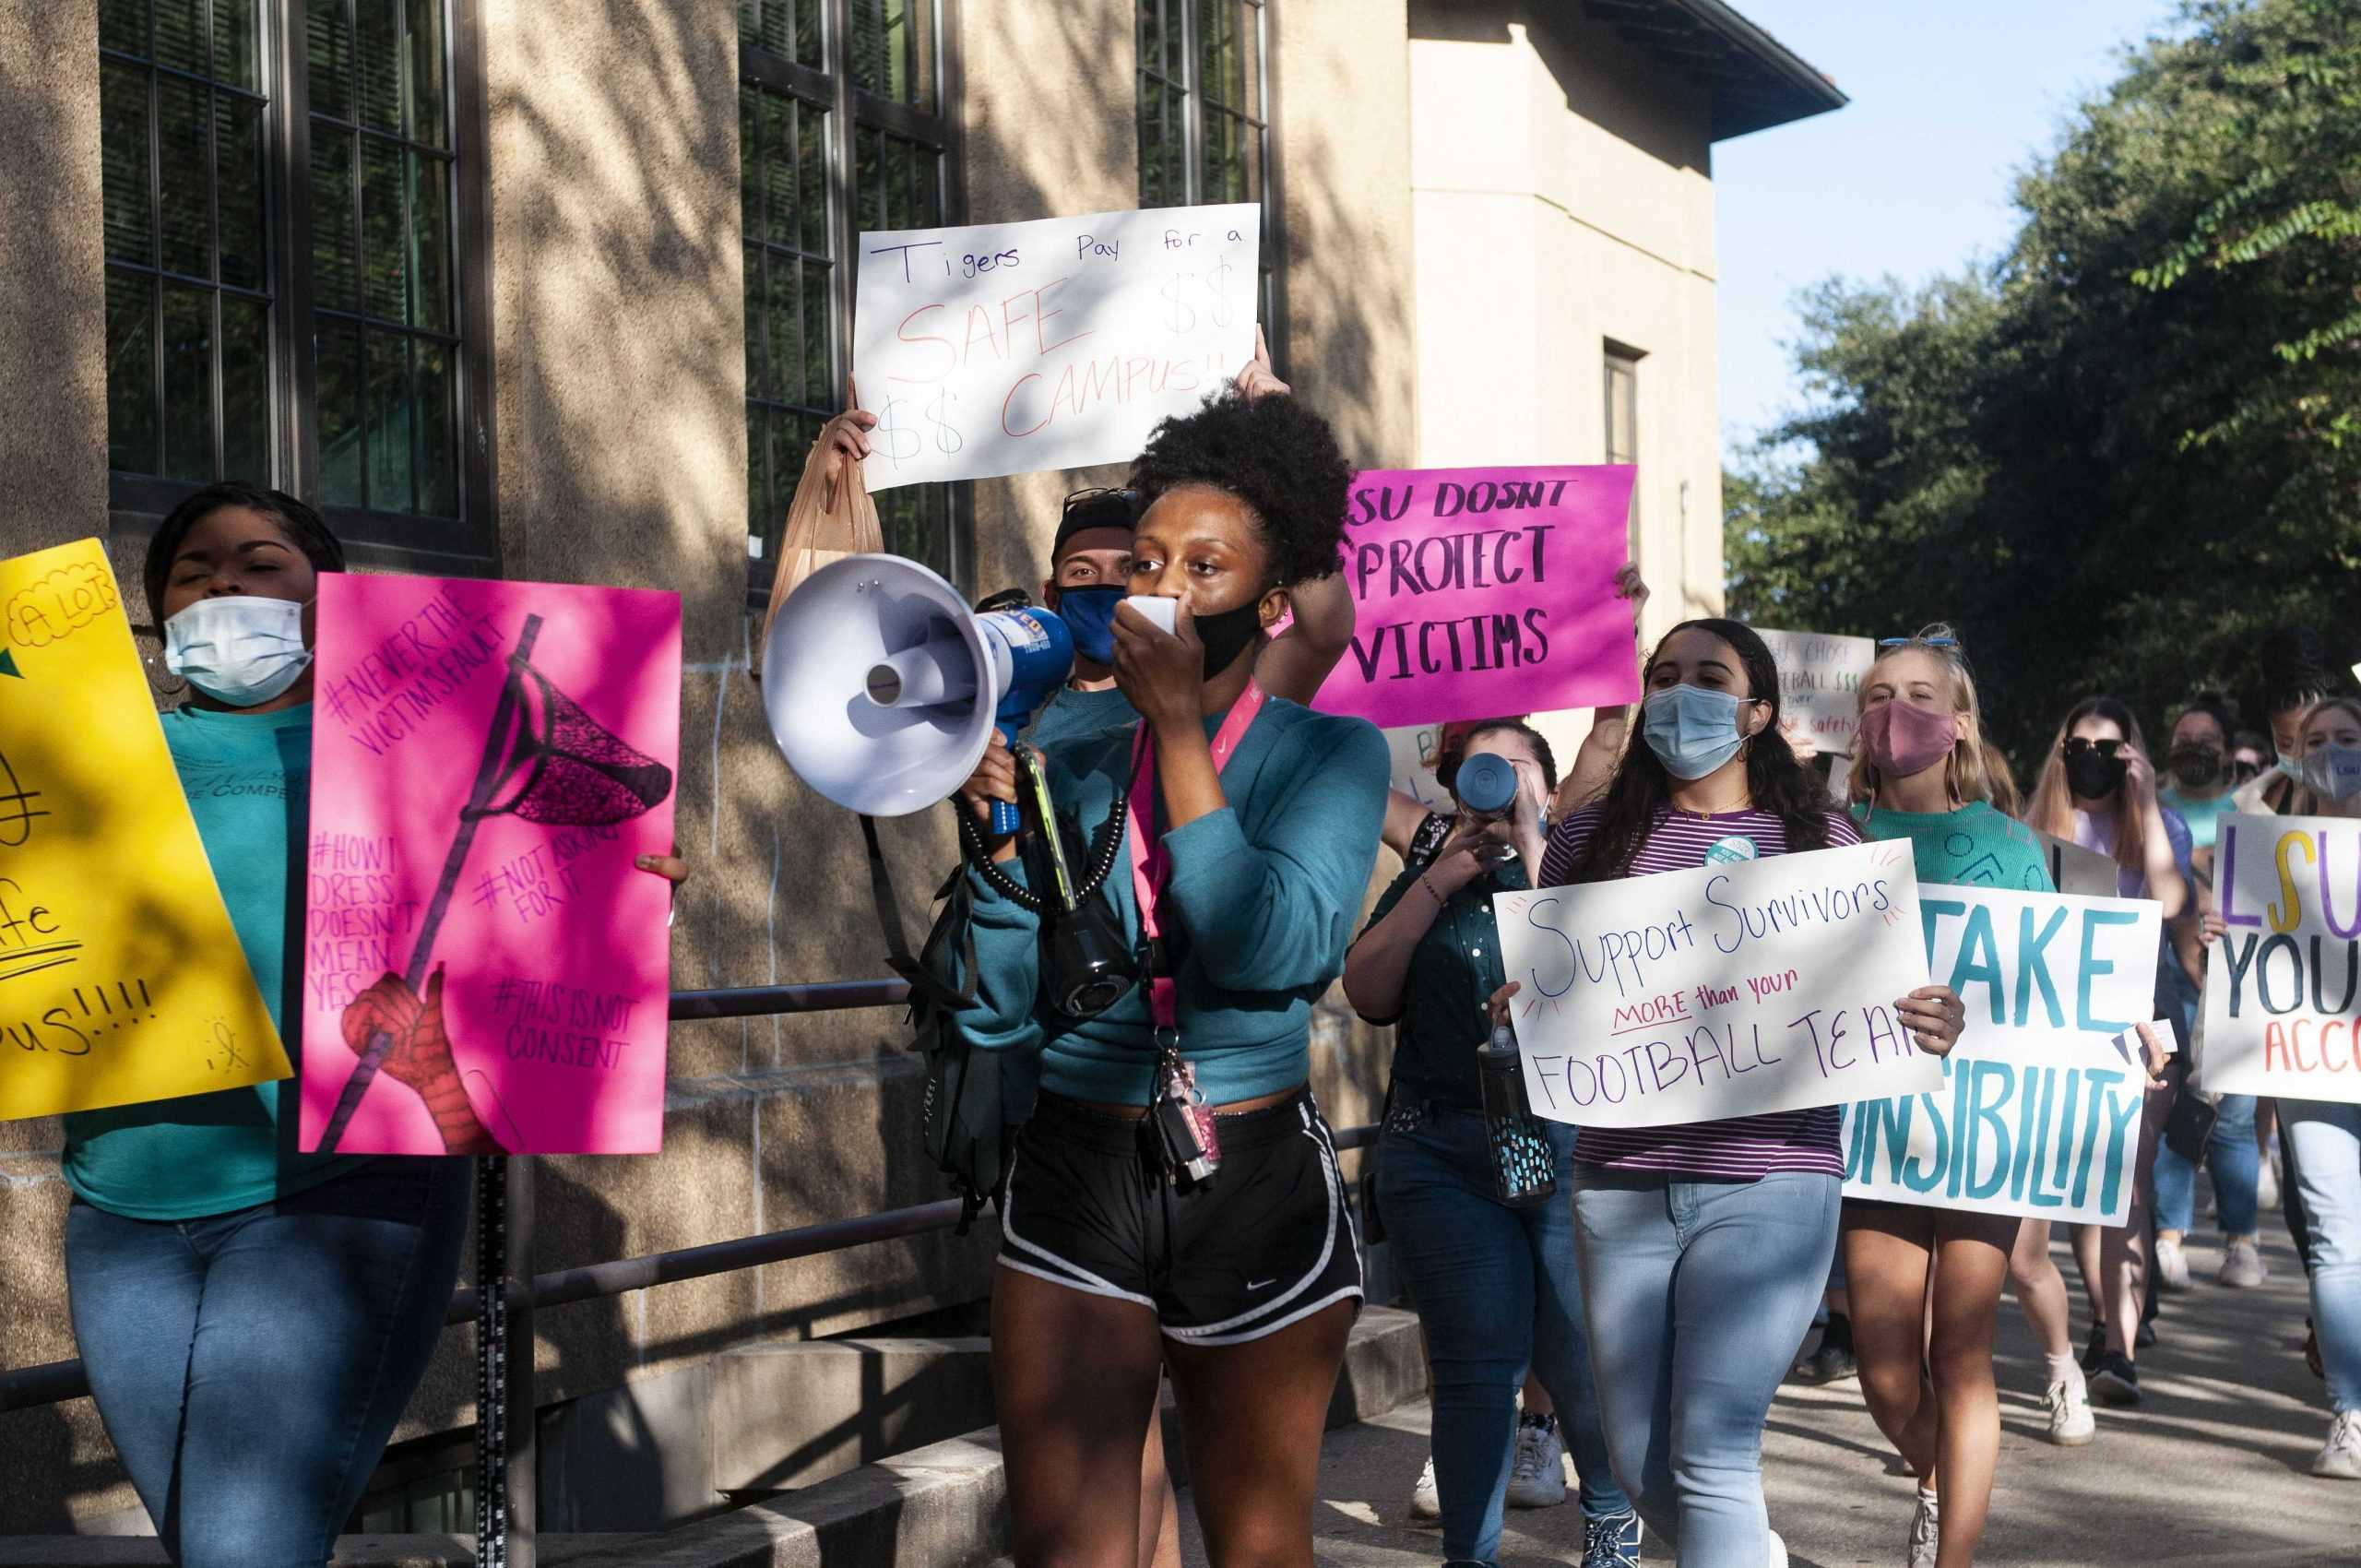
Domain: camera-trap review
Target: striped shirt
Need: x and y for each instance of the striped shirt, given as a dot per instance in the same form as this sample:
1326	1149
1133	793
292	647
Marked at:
1737	1149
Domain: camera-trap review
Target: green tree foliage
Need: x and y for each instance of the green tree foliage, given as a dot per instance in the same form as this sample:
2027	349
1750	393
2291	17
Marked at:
2119	454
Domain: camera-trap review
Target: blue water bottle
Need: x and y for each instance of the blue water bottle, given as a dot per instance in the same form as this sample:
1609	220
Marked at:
1524	1168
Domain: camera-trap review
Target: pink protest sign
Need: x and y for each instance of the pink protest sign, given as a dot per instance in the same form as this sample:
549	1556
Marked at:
485	969
1483	591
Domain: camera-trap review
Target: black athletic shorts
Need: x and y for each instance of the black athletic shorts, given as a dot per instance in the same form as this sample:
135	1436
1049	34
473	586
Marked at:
1266	1244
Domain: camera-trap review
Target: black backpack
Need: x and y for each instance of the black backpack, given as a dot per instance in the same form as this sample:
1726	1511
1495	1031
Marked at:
966	1132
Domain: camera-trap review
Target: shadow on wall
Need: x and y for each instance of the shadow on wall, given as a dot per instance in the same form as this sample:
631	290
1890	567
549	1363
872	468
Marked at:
1615	82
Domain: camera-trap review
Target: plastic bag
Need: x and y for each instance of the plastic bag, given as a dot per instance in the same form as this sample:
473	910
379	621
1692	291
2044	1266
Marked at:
827	519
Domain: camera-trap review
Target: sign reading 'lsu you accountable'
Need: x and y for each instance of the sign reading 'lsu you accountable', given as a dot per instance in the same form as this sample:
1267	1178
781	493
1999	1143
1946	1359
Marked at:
1480	591
1731	990
121	979
2039	1110
1009	348
2282	986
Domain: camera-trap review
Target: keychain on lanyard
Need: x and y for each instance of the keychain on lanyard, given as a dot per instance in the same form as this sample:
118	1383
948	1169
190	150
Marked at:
1176	1108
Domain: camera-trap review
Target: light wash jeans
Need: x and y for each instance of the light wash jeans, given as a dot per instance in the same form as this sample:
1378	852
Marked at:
2236	1165
250	1366
2327	1143
1697	1295
1490	1283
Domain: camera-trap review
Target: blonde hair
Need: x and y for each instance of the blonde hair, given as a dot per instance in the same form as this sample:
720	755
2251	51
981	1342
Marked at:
1977	770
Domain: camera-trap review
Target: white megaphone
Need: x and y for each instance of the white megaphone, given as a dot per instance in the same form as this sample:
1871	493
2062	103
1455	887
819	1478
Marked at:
883	687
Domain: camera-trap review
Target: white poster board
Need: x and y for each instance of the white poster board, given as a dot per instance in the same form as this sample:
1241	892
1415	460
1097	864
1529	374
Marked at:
996	348
2282	985
1731	990
2039	1111
1820	690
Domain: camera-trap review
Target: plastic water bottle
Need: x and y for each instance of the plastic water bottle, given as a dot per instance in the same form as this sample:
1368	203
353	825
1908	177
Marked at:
1524	1168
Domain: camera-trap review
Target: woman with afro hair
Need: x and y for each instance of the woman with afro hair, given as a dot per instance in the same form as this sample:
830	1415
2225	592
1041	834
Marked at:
1253	827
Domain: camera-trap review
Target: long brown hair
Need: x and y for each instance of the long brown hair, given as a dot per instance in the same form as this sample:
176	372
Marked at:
1977	770
2053	799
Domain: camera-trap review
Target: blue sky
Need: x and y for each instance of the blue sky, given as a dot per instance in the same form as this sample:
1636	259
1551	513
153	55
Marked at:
1950	99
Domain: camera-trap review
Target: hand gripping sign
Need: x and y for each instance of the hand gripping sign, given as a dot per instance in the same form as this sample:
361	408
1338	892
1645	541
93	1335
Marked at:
1731	990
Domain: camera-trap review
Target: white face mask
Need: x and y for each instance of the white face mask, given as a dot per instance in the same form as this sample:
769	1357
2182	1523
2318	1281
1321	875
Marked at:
239	648
2333	771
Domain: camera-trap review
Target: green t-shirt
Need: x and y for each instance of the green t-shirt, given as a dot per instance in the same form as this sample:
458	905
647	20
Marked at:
1972	847
2203	816
248	779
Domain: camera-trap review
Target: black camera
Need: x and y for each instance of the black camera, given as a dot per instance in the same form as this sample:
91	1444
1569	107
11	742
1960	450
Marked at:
1087	966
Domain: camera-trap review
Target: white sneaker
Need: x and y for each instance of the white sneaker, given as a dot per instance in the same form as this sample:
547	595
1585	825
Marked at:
1926	1531
2242	1264
2339	1457
1425	1501
2071	1421
2172	1265
1776	1557
1537	1479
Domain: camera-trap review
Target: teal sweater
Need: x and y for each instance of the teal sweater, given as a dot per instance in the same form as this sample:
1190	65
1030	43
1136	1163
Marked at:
1264	897
1974	847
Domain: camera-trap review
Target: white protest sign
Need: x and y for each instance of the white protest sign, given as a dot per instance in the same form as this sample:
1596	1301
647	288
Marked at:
2073	869
2282	986
1820	689
1730	989
996	348
2040	1112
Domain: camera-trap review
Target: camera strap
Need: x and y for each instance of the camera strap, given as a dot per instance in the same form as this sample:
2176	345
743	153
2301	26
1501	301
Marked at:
1151	864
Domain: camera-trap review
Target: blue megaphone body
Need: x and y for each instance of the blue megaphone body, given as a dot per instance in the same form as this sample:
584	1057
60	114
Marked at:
1038	651
1486	784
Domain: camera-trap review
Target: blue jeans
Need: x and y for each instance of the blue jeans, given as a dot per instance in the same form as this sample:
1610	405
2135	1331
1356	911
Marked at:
2231	1156
2327	1143
1491	1282
1698	1294
250	1366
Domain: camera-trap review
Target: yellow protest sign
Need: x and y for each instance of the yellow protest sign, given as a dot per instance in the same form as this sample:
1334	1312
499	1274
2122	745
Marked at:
121	979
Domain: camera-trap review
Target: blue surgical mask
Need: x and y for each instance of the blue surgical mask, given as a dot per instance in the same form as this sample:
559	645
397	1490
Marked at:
240	648
1692	731
2333	772
1089	614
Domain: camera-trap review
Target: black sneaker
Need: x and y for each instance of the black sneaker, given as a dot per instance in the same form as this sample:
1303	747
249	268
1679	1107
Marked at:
2096	1351
2115	1380
2146	1335
1833	1361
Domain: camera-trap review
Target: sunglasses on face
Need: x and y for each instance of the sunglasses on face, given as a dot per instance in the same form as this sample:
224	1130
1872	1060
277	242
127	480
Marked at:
2078	746
1103	507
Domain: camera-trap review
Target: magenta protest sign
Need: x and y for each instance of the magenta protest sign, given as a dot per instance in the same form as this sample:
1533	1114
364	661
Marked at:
485	969
1481	591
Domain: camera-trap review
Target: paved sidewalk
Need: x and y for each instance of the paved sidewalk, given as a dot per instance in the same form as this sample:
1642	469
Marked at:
2212	1469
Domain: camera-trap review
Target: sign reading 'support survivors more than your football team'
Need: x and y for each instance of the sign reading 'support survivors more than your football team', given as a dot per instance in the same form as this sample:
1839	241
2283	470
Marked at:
1482	591
1737	988
2040	1112
1010	348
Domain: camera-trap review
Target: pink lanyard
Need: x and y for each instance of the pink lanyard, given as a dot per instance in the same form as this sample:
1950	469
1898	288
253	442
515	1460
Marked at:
1151	865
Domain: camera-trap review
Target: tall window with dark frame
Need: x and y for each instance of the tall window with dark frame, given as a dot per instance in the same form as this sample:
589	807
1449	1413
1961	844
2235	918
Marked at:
330	361
1204	114
1622	390
808	68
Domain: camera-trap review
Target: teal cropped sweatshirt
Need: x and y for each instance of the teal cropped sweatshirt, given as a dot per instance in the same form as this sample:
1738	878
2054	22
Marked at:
1264	897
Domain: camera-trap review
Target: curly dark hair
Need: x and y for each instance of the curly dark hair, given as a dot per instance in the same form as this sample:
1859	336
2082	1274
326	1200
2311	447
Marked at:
1642	789
1275	455
303	526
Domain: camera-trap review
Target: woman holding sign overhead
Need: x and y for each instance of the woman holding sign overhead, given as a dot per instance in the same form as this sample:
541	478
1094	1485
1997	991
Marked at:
1174	1201
1704	1246
1931	778
254	1319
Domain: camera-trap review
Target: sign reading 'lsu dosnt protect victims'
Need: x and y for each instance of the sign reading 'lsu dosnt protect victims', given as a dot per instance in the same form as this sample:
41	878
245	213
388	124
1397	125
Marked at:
2282	986
2039	1110
1731	990
121	979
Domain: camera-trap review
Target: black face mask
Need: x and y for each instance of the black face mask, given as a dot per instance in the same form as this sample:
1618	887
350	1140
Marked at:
2194	764
2093	776
1226	636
